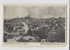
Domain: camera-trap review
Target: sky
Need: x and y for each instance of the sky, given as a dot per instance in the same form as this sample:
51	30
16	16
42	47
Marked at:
34	11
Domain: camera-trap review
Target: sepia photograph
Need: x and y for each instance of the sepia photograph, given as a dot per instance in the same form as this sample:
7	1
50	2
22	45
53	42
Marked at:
35	23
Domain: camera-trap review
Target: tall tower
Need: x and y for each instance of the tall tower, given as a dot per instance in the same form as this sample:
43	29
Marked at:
17	17
29	12
29	16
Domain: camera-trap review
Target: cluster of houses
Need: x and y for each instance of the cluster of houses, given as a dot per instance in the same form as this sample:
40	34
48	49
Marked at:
30	29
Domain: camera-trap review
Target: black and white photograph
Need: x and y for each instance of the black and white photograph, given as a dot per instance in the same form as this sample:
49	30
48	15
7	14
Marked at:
36	23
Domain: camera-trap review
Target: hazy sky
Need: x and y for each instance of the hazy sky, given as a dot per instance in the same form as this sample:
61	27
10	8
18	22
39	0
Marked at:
34	11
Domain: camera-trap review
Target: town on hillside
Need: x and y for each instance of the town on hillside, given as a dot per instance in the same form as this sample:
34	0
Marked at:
31	29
